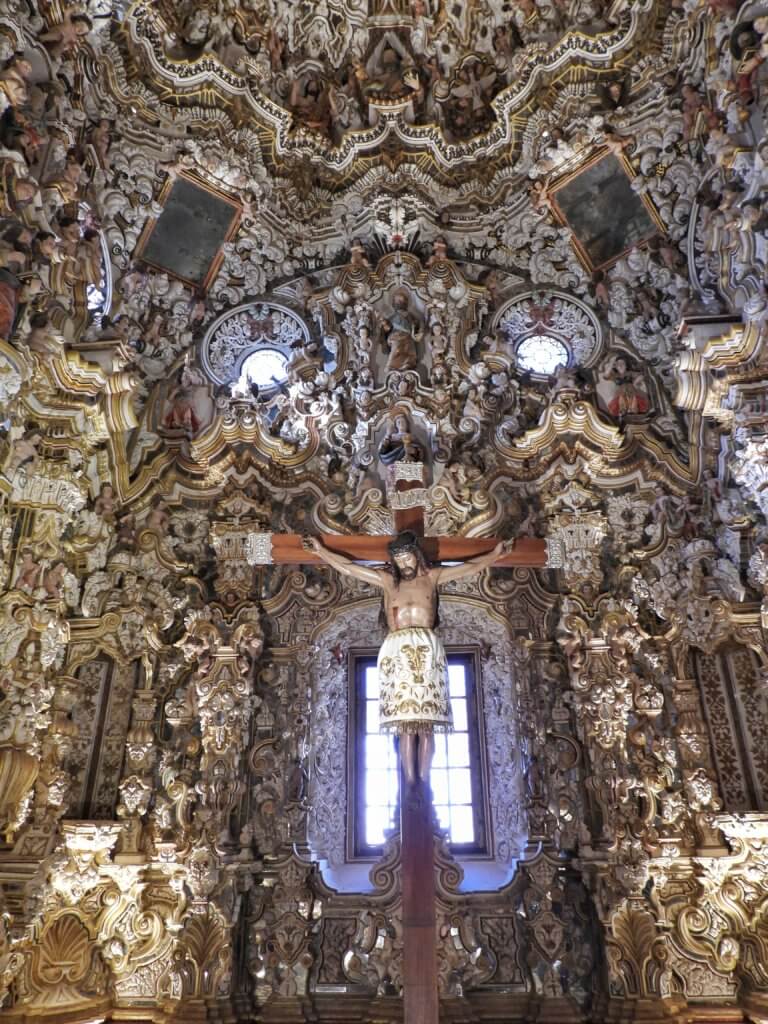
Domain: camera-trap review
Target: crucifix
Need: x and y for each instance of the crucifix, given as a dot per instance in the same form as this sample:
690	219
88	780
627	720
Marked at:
414	701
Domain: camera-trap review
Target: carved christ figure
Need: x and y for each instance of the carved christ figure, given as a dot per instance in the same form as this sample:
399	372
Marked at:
413	676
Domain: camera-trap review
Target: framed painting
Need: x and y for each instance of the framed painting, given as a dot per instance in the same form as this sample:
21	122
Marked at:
186	239
607	217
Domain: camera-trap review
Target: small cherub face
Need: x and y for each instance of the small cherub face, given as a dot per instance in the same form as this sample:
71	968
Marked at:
48	247
25	191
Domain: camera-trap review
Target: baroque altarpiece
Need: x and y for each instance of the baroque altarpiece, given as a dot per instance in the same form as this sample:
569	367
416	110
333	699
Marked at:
258	258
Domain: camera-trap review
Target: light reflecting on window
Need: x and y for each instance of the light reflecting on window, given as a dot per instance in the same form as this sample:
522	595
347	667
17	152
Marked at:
451	778
380	766
541	353
265	368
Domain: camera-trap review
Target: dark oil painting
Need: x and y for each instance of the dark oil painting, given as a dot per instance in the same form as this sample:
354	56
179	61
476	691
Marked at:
190	231
605	215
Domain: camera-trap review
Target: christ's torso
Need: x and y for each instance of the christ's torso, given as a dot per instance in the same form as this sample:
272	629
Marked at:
412	603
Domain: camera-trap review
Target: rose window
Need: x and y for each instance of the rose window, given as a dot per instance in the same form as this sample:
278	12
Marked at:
546	330
266	367
541	353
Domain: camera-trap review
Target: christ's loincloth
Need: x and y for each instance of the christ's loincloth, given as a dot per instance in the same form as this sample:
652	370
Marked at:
413	683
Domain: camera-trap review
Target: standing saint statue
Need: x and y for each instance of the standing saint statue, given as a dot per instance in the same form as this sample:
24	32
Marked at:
403	330
413	676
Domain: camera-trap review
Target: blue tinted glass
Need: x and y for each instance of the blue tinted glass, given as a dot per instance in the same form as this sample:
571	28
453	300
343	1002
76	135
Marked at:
443	812
451	778
376	788
439	780
377	751
377	819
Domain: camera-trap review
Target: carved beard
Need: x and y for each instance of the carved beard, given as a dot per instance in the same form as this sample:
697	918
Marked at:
408	573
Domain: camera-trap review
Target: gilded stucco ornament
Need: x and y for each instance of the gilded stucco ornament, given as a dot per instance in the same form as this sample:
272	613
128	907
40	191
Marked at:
402	296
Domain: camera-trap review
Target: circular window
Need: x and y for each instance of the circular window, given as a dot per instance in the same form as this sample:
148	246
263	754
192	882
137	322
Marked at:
547	329
265	368
541	353
252	344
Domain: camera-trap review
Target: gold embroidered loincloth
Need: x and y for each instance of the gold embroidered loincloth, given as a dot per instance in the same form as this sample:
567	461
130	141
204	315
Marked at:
413	683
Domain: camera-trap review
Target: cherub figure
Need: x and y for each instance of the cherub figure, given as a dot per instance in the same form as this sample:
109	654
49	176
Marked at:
28	572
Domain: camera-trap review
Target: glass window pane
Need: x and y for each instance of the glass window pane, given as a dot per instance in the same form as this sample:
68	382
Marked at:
376	788
372	683
377	751
377	819
390	758
457	683
460	786
459	707
439	780
392	786
458	750
441	751
372	716
462	825
444	816
266	367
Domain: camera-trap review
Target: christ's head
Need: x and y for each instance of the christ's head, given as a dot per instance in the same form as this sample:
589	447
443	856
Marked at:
407	558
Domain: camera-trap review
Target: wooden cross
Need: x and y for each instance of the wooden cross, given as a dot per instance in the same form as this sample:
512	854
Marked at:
421	1003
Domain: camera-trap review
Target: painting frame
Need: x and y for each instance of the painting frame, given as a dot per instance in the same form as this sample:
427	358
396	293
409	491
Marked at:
144	242
566	219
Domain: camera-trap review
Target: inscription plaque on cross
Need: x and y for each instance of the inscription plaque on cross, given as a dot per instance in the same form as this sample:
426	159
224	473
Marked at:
348	554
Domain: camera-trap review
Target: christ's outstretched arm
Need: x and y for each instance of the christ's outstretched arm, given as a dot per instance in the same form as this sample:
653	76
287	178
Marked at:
343	564
473	565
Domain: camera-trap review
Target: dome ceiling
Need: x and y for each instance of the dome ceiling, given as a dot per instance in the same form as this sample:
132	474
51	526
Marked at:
344	86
